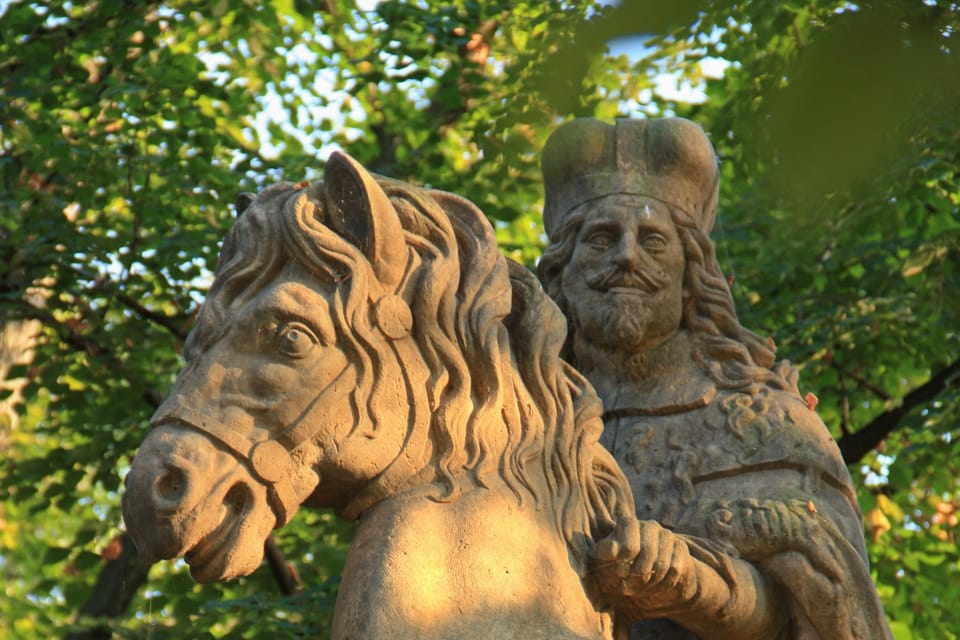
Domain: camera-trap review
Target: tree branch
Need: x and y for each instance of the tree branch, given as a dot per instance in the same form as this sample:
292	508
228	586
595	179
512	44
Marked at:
863	382
68	335
167	322
113	592
856	445
286	577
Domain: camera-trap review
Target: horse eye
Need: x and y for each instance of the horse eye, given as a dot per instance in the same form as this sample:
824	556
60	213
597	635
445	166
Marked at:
295	340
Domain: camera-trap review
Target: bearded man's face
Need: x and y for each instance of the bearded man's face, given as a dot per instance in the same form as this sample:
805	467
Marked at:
624	281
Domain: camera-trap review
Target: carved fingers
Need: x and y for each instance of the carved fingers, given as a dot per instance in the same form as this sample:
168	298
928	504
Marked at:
663	563
607	564
661	576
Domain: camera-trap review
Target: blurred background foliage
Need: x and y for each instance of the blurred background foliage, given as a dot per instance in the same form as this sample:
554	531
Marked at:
127	129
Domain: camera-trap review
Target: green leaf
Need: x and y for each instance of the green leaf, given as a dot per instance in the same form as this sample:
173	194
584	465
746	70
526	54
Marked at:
900	631
55	555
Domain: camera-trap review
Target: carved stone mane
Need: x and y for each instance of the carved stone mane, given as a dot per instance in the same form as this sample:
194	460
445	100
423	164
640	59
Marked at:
485	349
365	347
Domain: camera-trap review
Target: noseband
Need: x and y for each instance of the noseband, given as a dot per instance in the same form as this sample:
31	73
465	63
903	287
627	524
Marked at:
269	459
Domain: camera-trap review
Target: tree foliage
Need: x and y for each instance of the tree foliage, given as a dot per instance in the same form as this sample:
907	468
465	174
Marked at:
127	129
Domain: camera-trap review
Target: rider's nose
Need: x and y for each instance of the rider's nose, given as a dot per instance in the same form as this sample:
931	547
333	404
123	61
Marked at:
627	254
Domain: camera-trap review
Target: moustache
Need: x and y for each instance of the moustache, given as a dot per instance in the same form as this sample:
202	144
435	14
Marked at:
644	281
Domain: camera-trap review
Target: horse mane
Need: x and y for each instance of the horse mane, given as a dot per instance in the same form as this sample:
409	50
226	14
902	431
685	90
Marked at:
488	335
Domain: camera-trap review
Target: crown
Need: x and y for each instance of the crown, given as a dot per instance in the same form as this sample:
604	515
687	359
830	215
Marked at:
670	159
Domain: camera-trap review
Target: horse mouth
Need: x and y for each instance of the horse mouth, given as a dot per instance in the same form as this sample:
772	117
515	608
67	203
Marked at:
210	557
210	552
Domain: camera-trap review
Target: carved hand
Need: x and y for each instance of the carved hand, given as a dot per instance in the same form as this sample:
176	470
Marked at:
660	578
764	528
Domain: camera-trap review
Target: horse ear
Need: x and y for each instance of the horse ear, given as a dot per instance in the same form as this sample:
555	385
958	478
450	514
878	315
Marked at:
359	210
244	200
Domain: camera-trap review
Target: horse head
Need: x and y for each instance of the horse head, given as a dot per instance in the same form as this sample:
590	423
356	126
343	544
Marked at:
265	414
365	339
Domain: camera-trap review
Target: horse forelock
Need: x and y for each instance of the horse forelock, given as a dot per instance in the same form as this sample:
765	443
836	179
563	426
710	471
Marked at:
249	259
493	404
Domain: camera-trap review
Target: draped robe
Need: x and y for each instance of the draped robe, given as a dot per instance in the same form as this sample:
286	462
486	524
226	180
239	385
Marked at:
755	476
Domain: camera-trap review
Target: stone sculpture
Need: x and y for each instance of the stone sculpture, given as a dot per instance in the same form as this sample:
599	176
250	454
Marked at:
728	465
365	347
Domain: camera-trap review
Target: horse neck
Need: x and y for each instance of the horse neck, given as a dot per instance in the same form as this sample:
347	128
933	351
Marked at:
481	566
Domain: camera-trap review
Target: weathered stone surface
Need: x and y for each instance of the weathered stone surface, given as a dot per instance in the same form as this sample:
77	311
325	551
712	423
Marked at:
749	522
365	347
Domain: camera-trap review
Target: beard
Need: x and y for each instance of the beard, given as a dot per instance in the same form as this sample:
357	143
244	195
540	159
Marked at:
620	321
616	308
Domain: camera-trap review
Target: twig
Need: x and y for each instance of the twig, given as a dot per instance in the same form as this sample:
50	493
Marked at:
863	382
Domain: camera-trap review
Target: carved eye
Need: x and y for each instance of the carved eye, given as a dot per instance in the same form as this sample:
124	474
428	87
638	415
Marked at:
600	240
295	340
654	243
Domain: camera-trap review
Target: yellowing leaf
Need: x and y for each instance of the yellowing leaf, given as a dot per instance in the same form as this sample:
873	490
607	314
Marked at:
889	507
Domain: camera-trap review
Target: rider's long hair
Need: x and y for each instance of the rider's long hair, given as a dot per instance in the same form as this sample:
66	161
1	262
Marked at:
734	357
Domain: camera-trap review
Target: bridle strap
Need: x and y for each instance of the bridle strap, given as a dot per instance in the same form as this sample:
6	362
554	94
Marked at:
267	460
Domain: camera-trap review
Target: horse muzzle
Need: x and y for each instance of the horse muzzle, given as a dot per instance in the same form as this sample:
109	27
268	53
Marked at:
177	481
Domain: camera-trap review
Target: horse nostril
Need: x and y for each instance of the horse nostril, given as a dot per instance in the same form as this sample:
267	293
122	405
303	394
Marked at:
171	485
238	498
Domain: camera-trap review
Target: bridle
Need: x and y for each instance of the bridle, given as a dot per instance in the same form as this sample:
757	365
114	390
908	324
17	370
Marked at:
269	459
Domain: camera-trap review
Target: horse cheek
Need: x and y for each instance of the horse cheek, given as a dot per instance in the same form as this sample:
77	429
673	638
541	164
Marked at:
274	380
